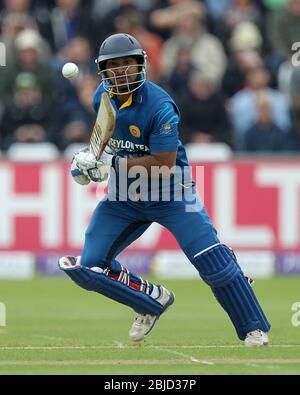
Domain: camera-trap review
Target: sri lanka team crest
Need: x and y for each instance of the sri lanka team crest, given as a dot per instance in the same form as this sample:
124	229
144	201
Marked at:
135	131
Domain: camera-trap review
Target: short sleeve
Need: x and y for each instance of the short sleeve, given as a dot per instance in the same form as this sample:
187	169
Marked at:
164	131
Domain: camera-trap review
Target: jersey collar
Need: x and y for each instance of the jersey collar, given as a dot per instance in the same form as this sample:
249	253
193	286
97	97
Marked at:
127	103
135	97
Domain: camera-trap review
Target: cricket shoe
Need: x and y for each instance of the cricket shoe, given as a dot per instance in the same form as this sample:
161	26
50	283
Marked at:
256	338
144	324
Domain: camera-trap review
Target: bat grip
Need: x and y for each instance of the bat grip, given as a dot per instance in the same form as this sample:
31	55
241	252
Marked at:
94	174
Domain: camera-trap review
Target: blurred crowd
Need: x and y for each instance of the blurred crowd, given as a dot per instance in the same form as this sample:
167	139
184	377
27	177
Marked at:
231	65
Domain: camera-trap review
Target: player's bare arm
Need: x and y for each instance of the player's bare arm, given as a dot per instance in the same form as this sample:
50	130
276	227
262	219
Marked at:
155	159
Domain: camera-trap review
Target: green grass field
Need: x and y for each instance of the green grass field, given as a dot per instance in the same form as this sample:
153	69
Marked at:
55	327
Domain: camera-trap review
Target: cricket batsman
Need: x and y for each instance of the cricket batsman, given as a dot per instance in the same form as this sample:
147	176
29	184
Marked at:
145	151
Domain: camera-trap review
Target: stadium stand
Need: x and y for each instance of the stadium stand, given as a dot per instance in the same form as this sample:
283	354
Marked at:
240	37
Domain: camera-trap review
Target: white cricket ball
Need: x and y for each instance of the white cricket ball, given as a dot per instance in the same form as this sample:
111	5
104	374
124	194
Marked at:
70	70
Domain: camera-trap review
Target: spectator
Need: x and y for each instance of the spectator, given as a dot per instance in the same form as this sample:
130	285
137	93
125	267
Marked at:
32	56
108	22
265	135
75	118
245	55
36	10
101	8
183	67
133	22
22	6
242	11
69	92
244	103
216	12
204	117
218	9
26	108
14	7
12	25
246	36
69	19
206	51
165	16
237	12
78	51
284	30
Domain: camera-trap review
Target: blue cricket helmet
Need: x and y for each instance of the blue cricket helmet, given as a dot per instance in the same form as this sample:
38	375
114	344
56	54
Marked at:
118	46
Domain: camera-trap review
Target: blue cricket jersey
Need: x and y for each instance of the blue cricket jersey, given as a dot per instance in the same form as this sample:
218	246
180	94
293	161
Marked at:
147	122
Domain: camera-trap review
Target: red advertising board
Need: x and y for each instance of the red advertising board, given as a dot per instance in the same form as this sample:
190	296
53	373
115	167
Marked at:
255	205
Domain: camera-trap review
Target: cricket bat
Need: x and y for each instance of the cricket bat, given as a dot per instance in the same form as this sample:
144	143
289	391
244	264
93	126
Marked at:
102	131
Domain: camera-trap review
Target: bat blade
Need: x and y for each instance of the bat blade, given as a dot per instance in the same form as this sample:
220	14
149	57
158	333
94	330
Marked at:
104	126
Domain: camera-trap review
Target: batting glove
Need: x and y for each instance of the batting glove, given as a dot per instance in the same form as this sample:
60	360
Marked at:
85	160
95	170
78	174
103	166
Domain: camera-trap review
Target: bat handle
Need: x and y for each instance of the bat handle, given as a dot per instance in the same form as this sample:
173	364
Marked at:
102	150
94	174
